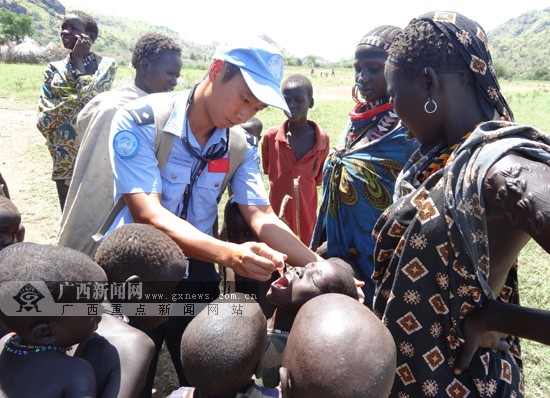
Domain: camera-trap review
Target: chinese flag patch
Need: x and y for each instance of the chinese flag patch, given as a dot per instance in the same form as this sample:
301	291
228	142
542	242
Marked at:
218	165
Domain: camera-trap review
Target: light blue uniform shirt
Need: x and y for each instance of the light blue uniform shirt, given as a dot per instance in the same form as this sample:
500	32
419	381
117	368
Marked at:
132	155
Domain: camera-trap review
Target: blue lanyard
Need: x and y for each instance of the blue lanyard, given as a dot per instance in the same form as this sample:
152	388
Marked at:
212	153
194	177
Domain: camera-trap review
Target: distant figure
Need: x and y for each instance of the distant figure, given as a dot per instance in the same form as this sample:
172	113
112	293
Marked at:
68	85
157	63
337	348
293	155
33	359
312	72
332	73
220	367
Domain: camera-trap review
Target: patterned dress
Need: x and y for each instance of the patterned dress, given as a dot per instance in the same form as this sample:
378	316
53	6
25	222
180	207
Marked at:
62	97
358	181
432	267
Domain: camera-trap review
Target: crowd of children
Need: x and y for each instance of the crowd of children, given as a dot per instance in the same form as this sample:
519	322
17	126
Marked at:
79	323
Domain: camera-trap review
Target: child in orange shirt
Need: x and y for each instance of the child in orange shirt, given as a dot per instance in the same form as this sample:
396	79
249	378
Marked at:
293	155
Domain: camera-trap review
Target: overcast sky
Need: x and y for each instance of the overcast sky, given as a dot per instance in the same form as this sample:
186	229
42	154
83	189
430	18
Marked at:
329	29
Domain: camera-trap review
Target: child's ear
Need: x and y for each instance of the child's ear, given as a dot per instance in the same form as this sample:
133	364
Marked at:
43	333
285	382
144	65
312	103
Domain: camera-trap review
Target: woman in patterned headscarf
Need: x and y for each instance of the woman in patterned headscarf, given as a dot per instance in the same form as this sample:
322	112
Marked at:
359	175
465	204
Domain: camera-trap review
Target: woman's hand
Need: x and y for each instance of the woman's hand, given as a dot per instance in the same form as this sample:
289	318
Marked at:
82	46
476	335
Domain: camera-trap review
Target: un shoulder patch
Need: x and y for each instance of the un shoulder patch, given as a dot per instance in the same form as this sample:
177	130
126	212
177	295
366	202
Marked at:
125	144
252	140
143	115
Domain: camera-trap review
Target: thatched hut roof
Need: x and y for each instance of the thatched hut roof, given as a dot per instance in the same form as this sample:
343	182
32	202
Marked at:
55	52
4	48
28	52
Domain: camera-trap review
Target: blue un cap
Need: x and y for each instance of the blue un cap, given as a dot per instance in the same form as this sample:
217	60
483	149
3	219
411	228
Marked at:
262	67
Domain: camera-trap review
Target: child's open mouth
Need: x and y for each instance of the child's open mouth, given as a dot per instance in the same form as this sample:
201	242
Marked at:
282	282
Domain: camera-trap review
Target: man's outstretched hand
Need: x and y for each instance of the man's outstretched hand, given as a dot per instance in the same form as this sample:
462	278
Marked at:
256	260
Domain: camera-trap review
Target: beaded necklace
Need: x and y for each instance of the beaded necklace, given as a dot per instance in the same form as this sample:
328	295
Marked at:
441	160
361	120
13	346
88	59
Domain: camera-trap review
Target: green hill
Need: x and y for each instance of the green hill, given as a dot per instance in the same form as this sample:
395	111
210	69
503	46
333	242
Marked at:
117	36
520	47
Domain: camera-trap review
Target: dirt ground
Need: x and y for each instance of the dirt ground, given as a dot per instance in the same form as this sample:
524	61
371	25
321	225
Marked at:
26	166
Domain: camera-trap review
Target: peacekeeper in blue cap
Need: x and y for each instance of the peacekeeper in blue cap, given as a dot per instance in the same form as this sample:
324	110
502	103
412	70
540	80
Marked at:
182	198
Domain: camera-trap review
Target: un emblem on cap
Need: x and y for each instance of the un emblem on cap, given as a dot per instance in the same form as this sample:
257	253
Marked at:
125	144
275	65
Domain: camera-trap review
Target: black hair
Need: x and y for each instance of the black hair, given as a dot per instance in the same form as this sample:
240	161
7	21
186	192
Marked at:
138	249
89	22
299	80
386	33
422	43
231	70
54	265
253	126
345	283
215	364
26	261
152	45
382	37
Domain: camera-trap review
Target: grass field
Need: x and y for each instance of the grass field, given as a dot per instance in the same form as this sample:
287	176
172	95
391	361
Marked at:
529	100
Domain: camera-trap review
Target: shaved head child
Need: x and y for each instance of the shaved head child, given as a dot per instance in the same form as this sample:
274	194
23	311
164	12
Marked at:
337	348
